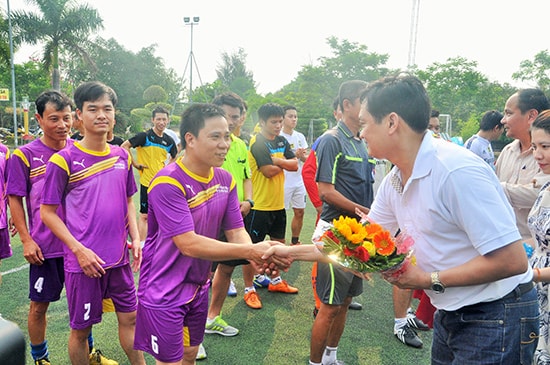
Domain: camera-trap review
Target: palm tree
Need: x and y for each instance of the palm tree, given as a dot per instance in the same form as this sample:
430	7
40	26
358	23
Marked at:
62	26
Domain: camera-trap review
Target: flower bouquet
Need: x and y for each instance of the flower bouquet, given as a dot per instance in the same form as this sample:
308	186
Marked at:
363	246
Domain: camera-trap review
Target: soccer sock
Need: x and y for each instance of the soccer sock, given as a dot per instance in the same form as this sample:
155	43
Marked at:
259	277
329	355
295	240
250	288
399	323
276	280
39	351
90	342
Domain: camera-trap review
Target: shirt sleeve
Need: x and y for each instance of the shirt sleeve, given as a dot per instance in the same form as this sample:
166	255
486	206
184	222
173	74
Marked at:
18	172
138	140
55	180
260	153
309	170
327	152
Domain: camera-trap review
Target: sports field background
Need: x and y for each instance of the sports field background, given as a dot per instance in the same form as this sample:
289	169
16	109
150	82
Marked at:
278	334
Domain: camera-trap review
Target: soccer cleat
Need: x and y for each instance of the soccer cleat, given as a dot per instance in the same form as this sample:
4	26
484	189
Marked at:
97	358
220	327
408	336
282	287
232	291
44	361
201	354
355	306
252	299
416	323
261	281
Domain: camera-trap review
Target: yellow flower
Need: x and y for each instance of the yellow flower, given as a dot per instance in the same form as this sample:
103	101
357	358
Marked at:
370	247
351	229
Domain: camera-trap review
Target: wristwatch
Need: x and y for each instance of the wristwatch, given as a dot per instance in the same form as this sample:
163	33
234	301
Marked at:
437	285
251	202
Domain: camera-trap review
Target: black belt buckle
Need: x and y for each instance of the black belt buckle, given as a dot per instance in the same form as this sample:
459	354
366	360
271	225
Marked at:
519	290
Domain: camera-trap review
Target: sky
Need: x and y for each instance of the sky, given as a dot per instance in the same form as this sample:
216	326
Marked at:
281	37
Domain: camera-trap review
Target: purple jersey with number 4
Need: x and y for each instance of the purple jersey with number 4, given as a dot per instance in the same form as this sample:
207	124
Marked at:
27	169
179	202
93	188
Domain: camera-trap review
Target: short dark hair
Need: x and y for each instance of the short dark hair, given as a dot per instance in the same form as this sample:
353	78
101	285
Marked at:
92	91
193	118
404	95
490	120
434	113
270	110
289	107
231	99
542	121
532	99
159	110
335	103
58	99
350	90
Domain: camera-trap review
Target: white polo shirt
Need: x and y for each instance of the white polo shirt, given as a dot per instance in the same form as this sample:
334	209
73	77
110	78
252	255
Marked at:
454	208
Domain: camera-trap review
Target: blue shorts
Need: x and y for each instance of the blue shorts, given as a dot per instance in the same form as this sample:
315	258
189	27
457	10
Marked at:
46	280
5	244
163	333
85	295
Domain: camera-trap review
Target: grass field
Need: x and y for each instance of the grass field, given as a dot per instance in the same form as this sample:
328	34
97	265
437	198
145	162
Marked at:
278	334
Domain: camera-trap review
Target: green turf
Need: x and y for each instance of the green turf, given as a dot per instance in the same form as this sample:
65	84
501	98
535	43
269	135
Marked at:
278	334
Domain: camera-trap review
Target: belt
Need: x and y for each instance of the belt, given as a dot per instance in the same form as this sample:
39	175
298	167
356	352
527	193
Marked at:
520	290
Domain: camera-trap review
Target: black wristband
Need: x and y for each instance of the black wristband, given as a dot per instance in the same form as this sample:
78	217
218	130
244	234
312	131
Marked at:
251	202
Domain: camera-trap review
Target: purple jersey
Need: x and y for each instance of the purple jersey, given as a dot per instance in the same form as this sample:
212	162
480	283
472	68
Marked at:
180	202
5	246
93	188
27	169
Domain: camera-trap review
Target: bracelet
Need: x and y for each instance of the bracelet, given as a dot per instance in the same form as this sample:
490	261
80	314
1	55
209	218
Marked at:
538	274
251	202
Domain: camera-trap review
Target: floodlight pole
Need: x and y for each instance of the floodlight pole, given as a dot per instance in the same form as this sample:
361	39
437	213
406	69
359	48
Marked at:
191	58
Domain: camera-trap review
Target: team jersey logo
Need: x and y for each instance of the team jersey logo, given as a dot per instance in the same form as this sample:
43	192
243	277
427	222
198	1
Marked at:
79	163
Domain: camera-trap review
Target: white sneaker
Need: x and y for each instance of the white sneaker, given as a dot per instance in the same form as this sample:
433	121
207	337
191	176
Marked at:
201	354
232	291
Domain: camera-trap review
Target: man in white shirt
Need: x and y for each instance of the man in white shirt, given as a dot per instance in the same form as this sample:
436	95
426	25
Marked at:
295	191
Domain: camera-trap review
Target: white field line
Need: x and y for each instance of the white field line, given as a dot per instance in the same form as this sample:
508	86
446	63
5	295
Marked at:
23	267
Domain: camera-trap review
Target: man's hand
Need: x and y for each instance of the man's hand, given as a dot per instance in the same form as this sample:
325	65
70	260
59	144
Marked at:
136	255
271	265
33	253
13	228
90	263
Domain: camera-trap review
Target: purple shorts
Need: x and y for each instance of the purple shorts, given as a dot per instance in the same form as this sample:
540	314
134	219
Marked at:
5	246
46	280
162	332
85	295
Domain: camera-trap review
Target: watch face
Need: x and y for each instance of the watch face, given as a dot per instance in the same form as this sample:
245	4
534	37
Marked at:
438	288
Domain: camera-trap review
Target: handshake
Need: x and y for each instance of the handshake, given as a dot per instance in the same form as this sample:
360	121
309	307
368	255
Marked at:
272	257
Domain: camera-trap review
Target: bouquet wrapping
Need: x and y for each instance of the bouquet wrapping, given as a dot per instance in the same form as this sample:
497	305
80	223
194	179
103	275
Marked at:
363	246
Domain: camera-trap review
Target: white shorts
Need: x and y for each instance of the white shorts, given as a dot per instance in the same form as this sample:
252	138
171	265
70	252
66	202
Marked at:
295	197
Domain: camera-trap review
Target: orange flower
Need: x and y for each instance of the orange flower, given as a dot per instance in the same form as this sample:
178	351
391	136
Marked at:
384	243
372	228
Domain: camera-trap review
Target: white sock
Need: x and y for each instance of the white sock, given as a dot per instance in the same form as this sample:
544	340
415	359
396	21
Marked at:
399	323
329	355
314	363
276	280
259	277
250	288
